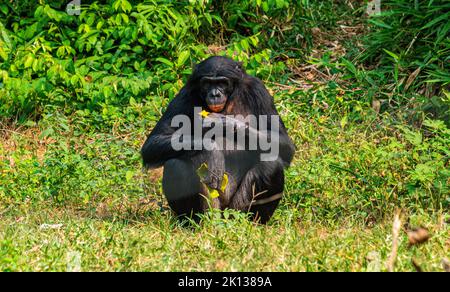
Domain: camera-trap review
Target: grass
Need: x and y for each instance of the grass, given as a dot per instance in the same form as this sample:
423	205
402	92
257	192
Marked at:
345	183
158	243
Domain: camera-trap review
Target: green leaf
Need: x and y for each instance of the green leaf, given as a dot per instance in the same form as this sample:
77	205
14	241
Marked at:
136	66
396	57
165	61
6	39
344	121
202	171
138	49
46	133
445	16
125	18
3	54
245	45
129	175
182	58
434	124
415	138
126	6
4	9
29	61
36	65
349	65
279	3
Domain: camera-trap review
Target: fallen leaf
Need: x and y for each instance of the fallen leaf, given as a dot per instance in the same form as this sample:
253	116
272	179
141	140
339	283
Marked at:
411	78
417	235
376	105
446	265
416	266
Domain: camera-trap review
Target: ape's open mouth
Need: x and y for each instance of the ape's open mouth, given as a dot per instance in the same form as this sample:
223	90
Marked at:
216	107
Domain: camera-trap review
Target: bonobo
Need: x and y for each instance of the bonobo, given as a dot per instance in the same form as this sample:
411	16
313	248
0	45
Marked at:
222	144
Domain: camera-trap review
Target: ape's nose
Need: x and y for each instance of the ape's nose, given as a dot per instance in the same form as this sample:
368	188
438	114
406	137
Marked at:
215	93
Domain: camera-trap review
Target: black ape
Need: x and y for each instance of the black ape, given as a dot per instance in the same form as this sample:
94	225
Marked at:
220	85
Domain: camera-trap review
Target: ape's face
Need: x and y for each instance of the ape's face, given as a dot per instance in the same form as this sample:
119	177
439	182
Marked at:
215	92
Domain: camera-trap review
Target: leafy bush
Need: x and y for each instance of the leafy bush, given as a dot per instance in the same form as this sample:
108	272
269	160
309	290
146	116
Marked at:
97	59
120	52
109	56
410	45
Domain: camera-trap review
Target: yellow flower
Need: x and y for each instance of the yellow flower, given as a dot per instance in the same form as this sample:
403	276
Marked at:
204	113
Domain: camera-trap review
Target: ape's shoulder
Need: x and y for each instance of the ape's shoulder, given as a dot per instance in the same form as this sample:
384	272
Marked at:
257	95
252	81
180	104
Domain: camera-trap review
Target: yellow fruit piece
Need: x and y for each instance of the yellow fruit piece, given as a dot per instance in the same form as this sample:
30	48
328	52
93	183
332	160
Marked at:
224	182
213	193
204	113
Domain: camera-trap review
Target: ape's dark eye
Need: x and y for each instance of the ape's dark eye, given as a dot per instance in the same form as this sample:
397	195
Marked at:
221	84
217	81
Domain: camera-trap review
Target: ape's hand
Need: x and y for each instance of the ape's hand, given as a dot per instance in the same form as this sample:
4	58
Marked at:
227	121
216	170
213	118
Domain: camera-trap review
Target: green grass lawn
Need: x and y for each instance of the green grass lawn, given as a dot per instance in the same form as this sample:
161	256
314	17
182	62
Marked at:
66	189
157	243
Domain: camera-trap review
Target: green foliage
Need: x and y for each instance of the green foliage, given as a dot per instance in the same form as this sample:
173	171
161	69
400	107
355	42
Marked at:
355	163
284	25
409	41
109	56
99	60
122	52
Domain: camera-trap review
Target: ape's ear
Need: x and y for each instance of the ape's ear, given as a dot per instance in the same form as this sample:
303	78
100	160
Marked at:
240	67
194	69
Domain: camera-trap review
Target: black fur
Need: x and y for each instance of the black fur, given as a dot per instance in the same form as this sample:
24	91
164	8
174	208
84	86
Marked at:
248	175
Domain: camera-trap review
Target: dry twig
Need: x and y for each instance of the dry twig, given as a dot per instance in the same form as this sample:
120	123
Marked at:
395	232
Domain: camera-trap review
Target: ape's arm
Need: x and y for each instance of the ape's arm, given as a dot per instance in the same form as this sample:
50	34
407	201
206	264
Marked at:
157	149
263	104
285	145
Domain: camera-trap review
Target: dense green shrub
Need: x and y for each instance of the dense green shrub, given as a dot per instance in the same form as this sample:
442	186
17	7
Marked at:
101	57
120	52
110	55
410	45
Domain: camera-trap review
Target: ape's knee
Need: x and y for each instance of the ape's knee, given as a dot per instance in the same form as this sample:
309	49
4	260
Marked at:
180	179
